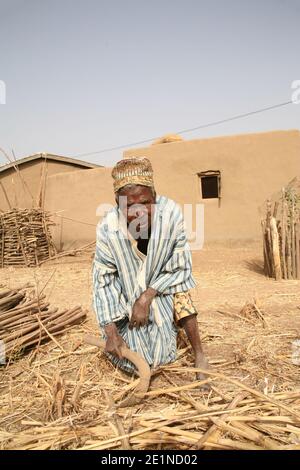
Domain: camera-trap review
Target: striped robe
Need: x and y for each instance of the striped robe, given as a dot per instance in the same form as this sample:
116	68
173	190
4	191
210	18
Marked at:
121	273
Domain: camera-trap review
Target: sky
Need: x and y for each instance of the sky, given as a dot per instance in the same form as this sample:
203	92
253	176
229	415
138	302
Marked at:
81	76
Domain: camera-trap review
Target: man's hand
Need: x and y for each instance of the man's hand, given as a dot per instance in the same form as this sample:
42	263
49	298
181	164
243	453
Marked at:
140	310
114	341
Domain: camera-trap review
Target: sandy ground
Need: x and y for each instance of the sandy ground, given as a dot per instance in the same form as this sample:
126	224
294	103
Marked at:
227	277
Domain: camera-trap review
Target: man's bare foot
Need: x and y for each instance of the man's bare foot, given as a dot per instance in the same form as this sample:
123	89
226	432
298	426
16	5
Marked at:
202	363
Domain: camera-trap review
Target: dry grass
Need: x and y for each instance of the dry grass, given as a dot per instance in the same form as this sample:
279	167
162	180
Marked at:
65	400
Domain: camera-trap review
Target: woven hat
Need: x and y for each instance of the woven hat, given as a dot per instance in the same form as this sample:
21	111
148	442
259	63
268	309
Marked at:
136	170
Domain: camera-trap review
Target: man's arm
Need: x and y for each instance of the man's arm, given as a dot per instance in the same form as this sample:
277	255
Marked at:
109	302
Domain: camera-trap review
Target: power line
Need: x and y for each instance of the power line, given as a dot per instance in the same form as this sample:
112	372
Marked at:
191	129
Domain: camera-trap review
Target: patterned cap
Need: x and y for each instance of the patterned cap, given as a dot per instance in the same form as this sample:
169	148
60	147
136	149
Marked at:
136	170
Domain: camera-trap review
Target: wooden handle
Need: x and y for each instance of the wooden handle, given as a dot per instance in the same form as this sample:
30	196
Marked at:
94	341
140	364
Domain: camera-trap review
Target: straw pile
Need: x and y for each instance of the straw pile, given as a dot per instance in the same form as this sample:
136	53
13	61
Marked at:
281	234
66	397
25	238
26	320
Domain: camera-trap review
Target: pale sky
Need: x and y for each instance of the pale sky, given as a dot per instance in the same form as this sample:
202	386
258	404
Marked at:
85	75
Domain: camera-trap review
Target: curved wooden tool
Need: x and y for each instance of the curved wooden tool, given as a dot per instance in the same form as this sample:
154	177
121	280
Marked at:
139	362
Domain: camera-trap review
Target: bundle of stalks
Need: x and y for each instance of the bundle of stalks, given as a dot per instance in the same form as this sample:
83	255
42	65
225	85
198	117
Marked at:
25	238
281	235
26	320
252	311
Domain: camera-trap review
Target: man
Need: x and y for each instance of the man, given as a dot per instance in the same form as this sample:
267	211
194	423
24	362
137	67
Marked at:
142	272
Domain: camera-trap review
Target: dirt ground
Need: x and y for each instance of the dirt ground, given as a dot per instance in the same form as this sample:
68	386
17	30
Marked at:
227	277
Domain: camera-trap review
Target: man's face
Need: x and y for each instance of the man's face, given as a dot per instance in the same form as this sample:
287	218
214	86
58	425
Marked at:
137	205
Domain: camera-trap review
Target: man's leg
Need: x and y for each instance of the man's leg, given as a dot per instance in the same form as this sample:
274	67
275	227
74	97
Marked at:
190	326
186	317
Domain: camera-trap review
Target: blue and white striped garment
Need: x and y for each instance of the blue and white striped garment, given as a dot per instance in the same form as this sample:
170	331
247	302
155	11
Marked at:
121	273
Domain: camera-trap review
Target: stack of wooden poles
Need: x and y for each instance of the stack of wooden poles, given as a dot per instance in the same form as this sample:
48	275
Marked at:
281	237
25	238
26	320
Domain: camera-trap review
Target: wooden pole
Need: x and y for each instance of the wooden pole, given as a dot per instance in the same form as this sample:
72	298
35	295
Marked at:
275	210
275	249
283	235
267	268
269	250
269	238
297	237
293	245
289	253
2	242
39	197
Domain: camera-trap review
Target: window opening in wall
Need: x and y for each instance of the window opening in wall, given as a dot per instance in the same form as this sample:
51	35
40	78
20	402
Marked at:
210	184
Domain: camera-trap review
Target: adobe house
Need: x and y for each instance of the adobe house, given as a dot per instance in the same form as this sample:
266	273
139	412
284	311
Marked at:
230	175
23	182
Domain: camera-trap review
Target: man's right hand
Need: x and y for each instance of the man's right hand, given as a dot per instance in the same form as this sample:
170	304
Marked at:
114	341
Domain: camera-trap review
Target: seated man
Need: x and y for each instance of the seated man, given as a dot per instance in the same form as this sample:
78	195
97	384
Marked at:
142	272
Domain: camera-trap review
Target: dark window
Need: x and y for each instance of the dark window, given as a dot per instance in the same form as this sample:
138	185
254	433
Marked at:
210	184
